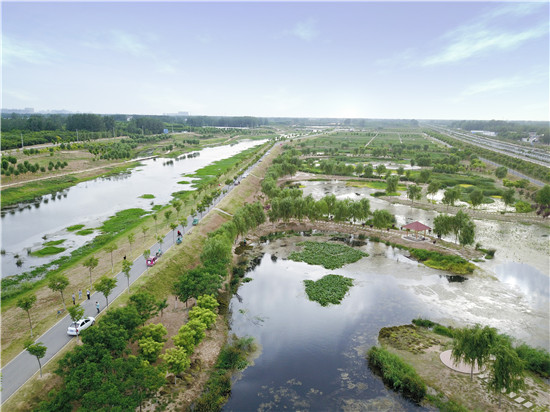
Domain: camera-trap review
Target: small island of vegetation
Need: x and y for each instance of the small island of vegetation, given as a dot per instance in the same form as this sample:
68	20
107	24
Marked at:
329	289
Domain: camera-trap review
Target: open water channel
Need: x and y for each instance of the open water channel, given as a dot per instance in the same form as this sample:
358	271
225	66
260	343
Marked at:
92	202
313	357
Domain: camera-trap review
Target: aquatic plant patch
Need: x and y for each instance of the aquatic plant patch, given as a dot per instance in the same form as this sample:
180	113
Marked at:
328	255
85	232
329	289
48	250
147	196
54	242
74	227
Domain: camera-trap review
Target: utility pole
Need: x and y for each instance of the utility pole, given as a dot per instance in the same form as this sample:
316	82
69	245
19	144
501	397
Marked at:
21	140
113	131
77	135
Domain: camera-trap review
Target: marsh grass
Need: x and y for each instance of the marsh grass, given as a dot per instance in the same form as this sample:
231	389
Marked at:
47	251
75	227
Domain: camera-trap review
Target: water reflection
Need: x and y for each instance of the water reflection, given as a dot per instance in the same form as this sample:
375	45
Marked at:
313	357
526	278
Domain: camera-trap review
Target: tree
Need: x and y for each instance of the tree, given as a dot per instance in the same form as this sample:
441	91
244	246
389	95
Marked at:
167	215
476	197
433	188
451	196
501	172
391	184
196	282
155	218
58	283
442	225
91	263
111	248
177	205
467	233
26	303
424	175
543	196
144	230
146	254
76	312
473	345
414	192
173	226
160	240
106	285
207	302
507	369
131	240
126	267
36	349
382	218
400	170
161	305
508	196
177	360
381	169
459	223
145	304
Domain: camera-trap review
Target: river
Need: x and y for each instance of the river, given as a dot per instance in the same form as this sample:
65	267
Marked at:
92	202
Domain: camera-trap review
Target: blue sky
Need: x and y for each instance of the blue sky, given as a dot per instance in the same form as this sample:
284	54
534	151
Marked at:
425	60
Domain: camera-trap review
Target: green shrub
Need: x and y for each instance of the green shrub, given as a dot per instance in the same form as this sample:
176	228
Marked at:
424	323
399	375
523	207
537	360
436	260
443	330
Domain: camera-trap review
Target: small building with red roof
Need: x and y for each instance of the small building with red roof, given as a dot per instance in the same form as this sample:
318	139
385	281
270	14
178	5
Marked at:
417	227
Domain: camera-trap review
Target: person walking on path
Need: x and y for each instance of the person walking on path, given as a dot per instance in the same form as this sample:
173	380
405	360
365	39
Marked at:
88	293
97	306
79	294
74	300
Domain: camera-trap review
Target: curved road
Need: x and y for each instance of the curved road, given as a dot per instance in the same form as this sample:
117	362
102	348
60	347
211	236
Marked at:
20	369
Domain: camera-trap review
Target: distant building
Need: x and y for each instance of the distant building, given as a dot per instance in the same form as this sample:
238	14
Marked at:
483	132
178	114
533	137
26	110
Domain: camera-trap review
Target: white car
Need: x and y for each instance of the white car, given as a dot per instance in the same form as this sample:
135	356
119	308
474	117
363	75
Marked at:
76	327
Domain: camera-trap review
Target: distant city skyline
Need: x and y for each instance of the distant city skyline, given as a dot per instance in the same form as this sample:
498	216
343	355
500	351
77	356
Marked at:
408	60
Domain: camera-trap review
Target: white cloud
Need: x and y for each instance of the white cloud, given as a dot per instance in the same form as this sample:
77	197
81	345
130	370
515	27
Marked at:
500	84
468	42
16	51
127	42
305	30
119	41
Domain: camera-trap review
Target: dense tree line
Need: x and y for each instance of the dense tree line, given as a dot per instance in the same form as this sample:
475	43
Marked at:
225	121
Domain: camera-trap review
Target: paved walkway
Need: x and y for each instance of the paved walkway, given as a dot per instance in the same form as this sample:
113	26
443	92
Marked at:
461	366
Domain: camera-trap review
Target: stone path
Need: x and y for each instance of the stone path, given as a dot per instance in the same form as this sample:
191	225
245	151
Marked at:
462	367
